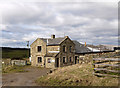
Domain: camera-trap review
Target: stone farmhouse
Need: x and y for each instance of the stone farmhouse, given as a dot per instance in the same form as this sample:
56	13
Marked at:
56	52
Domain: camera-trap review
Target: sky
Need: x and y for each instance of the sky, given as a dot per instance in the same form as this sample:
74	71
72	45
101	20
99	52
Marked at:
91	21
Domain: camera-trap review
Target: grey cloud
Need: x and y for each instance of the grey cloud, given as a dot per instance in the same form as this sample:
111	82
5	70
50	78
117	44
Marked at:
92	22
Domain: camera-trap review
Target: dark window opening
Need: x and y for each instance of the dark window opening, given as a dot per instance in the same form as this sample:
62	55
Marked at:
39	59
49	60
64	48
39	48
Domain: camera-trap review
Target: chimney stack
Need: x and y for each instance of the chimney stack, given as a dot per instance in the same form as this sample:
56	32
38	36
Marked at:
52	36
66	36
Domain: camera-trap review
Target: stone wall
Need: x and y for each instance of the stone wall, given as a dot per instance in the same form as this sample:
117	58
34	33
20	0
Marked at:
88	58
67	54
35	54
53	49
18	62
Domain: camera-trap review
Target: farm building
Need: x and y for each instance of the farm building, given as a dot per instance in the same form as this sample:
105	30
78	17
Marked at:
56	52
18	61
14	61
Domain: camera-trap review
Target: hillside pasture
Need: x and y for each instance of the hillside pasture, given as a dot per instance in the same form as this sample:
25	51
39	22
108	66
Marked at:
15	52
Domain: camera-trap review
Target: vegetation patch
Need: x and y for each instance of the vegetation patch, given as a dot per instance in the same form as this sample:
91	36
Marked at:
15	52
76	75
11	69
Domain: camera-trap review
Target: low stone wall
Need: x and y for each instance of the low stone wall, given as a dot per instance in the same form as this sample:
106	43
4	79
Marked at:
6	61
18	62
87	58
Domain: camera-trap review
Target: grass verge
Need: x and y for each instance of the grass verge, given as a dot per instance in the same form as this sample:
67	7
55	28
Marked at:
13	69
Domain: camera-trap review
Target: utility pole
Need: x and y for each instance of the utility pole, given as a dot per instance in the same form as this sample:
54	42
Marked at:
28	49
100	47
92	47
28	44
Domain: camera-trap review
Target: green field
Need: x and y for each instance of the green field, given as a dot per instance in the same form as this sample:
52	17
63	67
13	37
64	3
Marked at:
15	52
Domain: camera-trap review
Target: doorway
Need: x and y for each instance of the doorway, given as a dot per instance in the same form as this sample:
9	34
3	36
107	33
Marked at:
44	62
57	62
75	59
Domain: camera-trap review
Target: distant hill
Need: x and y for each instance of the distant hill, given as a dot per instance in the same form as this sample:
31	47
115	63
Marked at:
99	47
8	52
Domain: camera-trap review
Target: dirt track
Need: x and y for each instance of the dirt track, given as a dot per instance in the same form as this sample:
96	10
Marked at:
24	79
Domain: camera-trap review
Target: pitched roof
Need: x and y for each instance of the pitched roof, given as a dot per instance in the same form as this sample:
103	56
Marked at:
55	41
80	48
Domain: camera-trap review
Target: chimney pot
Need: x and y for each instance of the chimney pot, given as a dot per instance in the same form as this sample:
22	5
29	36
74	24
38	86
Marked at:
85	44
52	36
66	36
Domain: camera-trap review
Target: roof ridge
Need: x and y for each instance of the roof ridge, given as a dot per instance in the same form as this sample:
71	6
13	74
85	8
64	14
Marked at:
53	38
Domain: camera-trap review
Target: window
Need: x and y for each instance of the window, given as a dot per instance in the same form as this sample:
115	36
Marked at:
63	59
49	60
39	59
78	60
39	48
70	48
70	59
64	48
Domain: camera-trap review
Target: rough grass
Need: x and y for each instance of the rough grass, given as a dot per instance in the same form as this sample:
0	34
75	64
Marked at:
76	75
14	69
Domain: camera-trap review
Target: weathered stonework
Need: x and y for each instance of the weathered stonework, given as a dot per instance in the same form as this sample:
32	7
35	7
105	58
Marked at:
53	55
35	54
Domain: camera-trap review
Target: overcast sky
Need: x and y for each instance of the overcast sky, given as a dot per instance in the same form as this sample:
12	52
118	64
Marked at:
91	22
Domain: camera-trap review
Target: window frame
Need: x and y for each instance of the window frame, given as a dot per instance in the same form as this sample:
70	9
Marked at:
39	59
49	60
39	49
64	48
70	48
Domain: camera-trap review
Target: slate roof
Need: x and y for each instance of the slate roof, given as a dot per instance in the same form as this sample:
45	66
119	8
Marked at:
80	48
55	41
